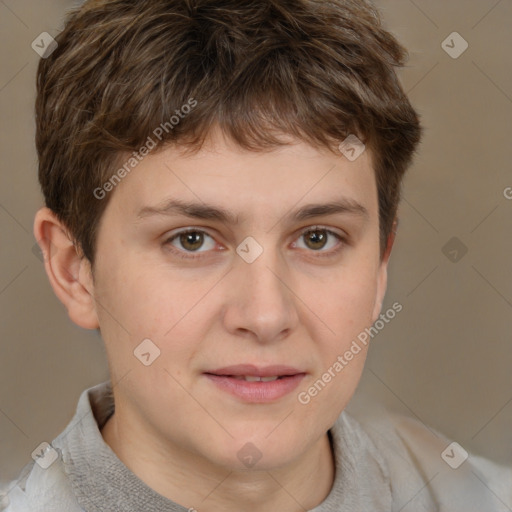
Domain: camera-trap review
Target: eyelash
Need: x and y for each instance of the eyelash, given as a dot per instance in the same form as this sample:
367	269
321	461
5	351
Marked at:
191	255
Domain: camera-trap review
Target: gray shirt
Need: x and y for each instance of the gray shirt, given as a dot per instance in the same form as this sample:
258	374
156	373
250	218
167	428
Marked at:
384	462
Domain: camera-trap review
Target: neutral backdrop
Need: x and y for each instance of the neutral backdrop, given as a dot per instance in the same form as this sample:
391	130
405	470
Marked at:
445	359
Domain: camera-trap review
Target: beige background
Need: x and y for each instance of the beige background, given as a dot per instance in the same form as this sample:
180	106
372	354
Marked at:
444	359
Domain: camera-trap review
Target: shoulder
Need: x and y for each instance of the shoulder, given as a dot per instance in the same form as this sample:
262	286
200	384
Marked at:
44	483
40	489
423	462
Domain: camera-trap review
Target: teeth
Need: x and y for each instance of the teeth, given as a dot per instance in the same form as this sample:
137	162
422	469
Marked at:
251	378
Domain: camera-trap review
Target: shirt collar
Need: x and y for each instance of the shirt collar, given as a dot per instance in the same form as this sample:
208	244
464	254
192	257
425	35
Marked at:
101	481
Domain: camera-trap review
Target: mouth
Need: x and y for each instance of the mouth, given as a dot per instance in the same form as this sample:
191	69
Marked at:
257	385
254	378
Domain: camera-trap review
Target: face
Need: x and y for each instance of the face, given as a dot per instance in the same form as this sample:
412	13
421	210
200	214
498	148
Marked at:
253	279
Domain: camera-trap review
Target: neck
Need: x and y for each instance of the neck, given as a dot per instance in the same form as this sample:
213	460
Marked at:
194	482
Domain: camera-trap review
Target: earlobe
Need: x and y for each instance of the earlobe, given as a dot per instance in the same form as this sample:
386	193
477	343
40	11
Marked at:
69	273
383	272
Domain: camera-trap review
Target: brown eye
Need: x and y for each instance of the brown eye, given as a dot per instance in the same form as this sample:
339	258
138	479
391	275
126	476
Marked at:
321	240
316	239
192	240
189	241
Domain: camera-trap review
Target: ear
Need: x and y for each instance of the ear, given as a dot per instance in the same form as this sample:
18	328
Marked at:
382	280
69	273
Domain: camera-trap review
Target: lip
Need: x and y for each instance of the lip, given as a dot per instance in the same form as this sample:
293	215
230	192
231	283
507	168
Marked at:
256	392
250	369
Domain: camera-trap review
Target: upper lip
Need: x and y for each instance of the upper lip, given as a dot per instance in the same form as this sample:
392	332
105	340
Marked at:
255	371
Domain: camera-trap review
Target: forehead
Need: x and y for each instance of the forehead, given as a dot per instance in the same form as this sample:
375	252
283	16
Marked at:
225	182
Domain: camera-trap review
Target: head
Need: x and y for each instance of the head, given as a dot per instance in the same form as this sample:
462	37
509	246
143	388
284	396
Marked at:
239	107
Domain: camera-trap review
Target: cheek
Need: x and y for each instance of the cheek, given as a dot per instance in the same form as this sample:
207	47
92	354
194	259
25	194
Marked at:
137	293
344	304
141	301
341	349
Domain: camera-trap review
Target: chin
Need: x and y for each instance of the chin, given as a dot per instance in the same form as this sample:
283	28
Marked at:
258	451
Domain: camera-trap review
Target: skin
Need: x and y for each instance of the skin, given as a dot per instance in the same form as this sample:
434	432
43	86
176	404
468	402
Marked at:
294	305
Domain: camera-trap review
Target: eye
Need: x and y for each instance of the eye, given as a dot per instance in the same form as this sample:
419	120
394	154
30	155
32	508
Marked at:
317	238
190	240
187	242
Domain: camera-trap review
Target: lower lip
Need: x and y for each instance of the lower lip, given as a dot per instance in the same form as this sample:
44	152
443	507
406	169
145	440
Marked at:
259	391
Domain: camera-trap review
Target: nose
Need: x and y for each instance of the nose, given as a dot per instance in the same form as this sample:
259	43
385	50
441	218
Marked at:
261	303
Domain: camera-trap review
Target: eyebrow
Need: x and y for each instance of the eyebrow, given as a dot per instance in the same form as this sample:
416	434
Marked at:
175	207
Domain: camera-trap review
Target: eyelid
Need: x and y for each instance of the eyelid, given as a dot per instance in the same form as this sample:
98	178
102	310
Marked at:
313	227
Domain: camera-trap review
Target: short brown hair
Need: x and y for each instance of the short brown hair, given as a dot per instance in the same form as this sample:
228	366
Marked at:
314	69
